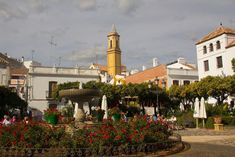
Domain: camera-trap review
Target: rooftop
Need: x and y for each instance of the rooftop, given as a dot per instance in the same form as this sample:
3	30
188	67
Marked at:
231	44
217	32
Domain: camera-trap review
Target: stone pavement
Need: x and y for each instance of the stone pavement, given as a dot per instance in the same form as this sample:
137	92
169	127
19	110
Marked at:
208	143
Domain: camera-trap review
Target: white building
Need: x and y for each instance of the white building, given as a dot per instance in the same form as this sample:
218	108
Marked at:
178	72
27	64
42	80
215	52
4	73
181	73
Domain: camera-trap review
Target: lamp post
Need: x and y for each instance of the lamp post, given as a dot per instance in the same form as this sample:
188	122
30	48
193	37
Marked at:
150	86
158	106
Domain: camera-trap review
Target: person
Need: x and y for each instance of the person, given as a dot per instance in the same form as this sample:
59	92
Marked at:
124	117
26	120
13	119
6	120
154	117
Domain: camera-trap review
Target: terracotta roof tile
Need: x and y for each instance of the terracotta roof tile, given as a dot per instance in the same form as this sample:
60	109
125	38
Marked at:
10	61
219	31
19	71
104	67
101	67
148	74
231	44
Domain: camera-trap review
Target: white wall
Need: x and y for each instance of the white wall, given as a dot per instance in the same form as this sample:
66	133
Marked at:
4	75
39	77
27	64
227	55
230	54
181	75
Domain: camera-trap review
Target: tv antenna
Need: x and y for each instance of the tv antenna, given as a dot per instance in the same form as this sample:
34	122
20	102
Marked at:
32	54
59	61
52	43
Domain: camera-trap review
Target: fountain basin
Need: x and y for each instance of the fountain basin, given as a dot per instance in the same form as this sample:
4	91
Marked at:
80	95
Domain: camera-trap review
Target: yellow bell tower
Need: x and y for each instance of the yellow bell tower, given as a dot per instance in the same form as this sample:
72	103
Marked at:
113	53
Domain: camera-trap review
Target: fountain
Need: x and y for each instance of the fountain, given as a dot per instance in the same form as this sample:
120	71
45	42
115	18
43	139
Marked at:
79	96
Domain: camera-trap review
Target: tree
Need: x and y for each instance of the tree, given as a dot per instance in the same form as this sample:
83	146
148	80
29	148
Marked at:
185	94
217	87
9	101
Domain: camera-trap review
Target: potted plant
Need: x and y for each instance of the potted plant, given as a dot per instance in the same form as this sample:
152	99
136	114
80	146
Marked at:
51	115
115	113
217	119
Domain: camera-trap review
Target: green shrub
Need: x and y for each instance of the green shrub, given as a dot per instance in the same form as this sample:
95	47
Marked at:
186	119
132	111
216	110
228	120
210	123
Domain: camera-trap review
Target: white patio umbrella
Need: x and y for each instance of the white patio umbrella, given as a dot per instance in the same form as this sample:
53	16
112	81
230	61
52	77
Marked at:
181	107
104	106
203	111
196	111
75	110
80	85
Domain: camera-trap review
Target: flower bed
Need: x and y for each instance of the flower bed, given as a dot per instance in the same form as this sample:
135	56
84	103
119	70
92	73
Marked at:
109	137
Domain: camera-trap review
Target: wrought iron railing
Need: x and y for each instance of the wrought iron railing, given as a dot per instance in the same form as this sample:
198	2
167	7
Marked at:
138	150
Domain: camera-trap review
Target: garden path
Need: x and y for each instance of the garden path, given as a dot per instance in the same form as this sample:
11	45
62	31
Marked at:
208	143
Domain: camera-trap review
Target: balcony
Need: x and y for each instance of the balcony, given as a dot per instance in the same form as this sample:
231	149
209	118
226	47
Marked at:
17	82
182	72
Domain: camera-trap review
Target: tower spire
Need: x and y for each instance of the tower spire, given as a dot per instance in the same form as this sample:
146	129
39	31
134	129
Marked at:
113	28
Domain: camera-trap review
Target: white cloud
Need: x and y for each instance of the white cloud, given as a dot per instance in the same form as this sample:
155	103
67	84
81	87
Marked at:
87	4
128	6
87	55
8	12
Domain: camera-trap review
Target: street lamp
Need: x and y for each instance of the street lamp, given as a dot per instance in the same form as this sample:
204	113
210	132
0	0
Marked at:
158	106
150	86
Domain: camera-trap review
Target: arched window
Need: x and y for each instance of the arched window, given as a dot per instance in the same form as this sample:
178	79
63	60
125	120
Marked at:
110	43
218	46
211	47
204	50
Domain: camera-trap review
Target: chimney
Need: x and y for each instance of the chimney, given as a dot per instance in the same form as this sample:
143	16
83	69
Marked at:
155	62
143	68
181	60
22	59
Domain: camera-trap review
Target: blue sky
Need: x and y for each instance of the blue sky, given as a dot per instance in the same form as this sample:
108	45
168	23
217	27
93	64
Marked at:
165	29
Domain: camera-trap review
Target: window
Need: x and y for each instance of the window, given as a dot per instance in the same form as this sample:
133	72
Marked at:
206	65
219	62
204	50
176	82
117	45
110	44
211	47
186	82
52	87
218	46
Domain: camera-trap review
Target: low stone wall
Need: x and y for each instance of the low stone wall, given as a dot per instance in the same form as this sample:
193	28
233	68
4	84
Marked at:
149	149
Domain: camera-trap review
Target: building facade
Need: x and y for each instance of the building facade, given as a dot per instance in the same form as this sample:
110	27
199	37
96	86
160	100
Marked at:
176	73
4	74
42	80
13	74
215	52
